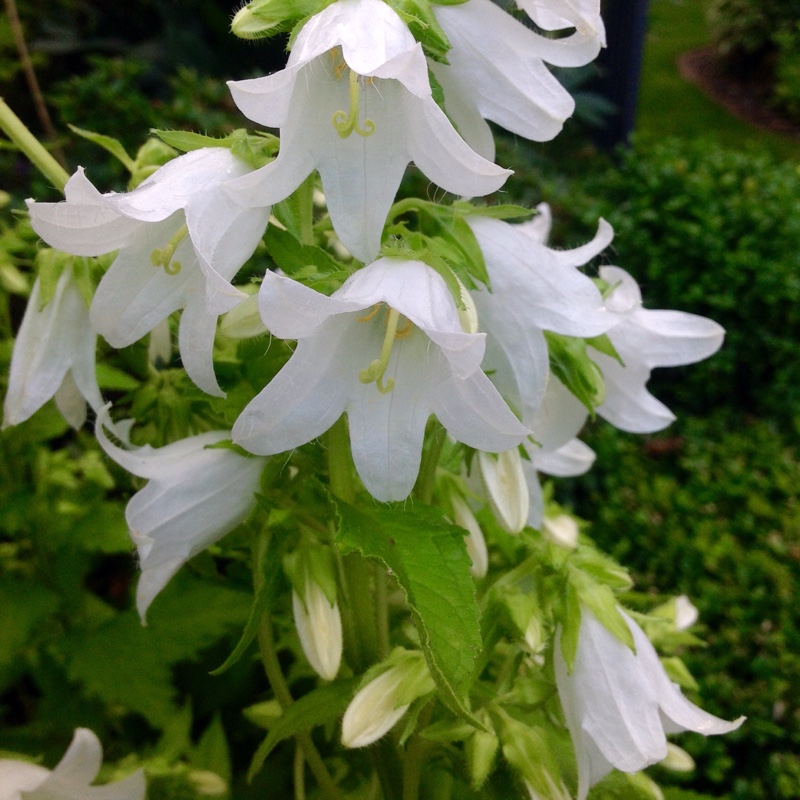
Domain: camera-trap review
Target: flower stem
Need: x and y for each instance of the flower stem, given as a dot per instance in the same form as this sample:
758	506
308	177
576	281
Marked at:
16	130
304	205
415	756
426	481
280	688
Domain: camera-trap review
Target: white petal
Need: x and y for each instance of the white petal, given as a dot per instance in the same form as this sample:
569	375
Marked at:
83	759
19	776
84	225
387	430
557	421
196	341
473	412
307	396
369	32
572	458
497	62
70	402
134	296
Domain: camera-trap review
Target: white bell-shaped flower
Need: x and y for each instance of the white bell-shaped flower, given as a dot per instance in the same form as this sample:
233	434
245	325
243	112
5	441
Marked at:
71	779
388	349
496	71
54	356
195	494
355	103
181	239
619	705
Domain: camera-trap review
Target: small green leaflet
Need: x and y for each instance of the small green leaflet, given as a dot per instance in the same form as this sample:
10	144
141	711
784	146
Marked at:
323	705
295	258
185	141
429	559
572	366
107	143
269	557
502	211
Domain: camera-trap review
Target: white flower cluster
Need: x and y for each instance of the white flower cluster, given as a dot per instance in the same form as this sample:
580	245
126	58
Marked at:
392	345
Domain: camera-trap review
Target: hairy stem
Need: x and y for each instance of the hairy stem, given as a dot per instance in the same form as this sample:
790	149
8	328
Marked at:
16	130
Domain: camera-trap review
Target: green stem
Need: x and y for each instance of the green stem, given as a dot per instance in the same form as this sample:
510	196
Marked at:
16	130
415	757
280	688
340	468
382	610
426	482
304	205
299	774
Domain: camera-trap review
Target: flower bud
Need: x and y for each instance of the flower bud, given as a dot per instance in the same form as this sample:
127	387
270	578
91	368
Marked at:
243	321
686	613
481	749
476	544
561	530
207	783
319	626
677	760
467	316
382	700
506	488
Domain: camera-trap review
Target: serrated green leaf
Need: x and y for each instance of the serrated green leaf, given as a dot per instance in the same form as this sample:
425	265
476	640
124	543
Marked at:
109	144
191	614
318	707
119	665
429	559
23	608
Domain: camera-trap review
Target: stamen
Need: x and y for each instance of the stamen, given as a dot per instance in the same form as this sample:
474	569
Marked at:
346	123
377	369
163	257
404	331
372	314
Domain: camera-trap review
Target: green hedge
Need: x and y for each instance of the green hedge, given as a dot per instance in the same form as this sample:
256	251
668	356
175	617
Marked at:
712	509
714	232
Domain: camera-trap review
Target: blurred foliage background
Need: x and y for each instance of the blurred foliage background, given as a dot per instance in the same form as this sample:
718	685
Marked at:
706	211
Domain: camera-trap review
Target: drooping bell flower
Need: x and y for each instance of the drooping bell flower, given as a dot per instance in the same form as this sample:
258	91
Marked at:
355	103
72	777
388	349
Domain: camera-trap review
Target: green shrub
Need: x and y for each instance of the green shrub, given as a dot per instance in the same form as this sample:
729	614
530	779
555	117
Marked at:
717	233
713	510
742	28
787	71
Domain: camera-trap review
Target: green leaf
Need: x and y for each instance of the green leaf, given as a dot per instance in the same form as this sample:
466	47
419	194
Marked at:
572	366
24	606
212	752
269	556
117	663
292	256
114	379
187	140
429	559
191	614
599	598
109	144
318	707
604	345
502	211
571	626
